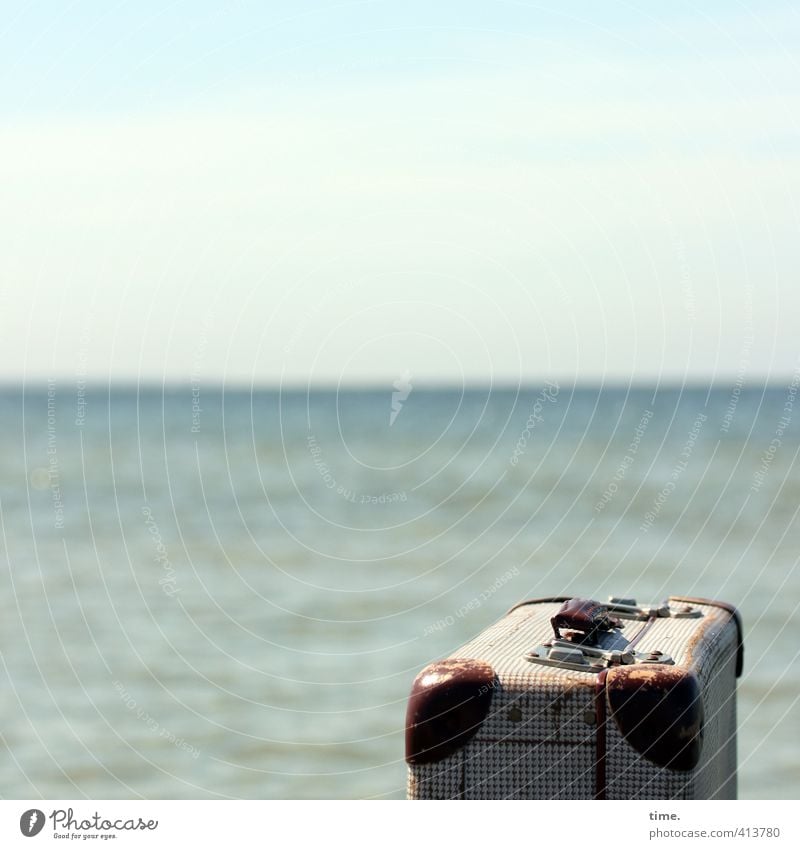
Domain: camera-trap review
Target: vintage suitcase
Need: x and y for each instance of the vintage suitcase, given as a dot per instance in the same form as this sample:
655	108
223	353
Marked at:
573	699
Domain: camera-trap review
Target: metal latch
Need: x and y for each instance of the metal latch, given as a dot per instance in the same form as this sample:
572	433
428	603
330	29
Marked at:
568	655
627	608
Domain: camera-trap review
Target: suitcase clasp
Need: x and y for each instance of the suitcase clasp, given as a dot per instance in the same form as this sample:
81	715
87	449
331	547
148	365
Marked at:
569	655
627	608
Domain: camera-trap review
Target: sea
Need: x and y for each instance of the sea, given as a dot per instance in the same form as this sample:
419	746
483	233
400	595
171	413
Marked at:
226	592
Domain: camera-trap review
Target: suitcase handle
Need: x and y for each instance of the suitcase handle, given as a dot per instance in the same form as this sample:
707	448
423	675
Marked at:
585	617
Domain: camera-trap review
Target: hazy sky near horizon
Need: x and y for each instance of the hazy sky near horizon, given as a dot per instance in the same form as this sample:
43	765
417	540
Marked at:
478	191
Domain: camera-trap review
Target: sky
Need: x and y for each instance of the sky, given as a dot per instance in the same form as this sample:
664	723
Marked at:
338	193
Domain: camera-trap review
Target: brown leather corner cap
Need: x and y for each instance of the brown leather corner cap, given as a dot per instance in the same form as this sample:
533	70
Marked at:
449	701
659	710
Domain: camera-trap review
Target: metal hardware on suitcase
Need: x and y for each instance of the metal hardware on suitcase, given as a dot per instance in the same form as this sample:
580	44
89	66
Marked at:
573	699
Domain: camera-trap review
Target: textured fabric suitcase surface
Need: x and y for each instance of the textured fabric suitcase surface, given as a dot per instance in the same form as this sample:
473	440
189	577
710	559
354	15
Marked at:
611	701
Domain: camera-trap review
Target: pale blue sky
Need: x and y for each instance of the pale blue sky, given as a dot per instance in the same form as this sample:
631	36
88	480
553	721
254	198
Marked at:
487	191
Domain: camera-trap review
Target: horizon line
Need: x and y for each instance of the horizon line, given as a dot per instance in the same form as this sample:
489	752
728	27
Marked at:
293	387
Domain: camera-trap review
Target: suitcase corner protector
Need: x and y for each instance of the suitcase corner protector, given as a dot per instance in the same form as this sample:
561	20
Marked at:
449	701
659	711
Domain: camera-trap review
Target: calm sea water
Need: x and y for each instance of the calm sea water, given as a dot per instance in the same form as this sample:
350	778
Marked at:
228	594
